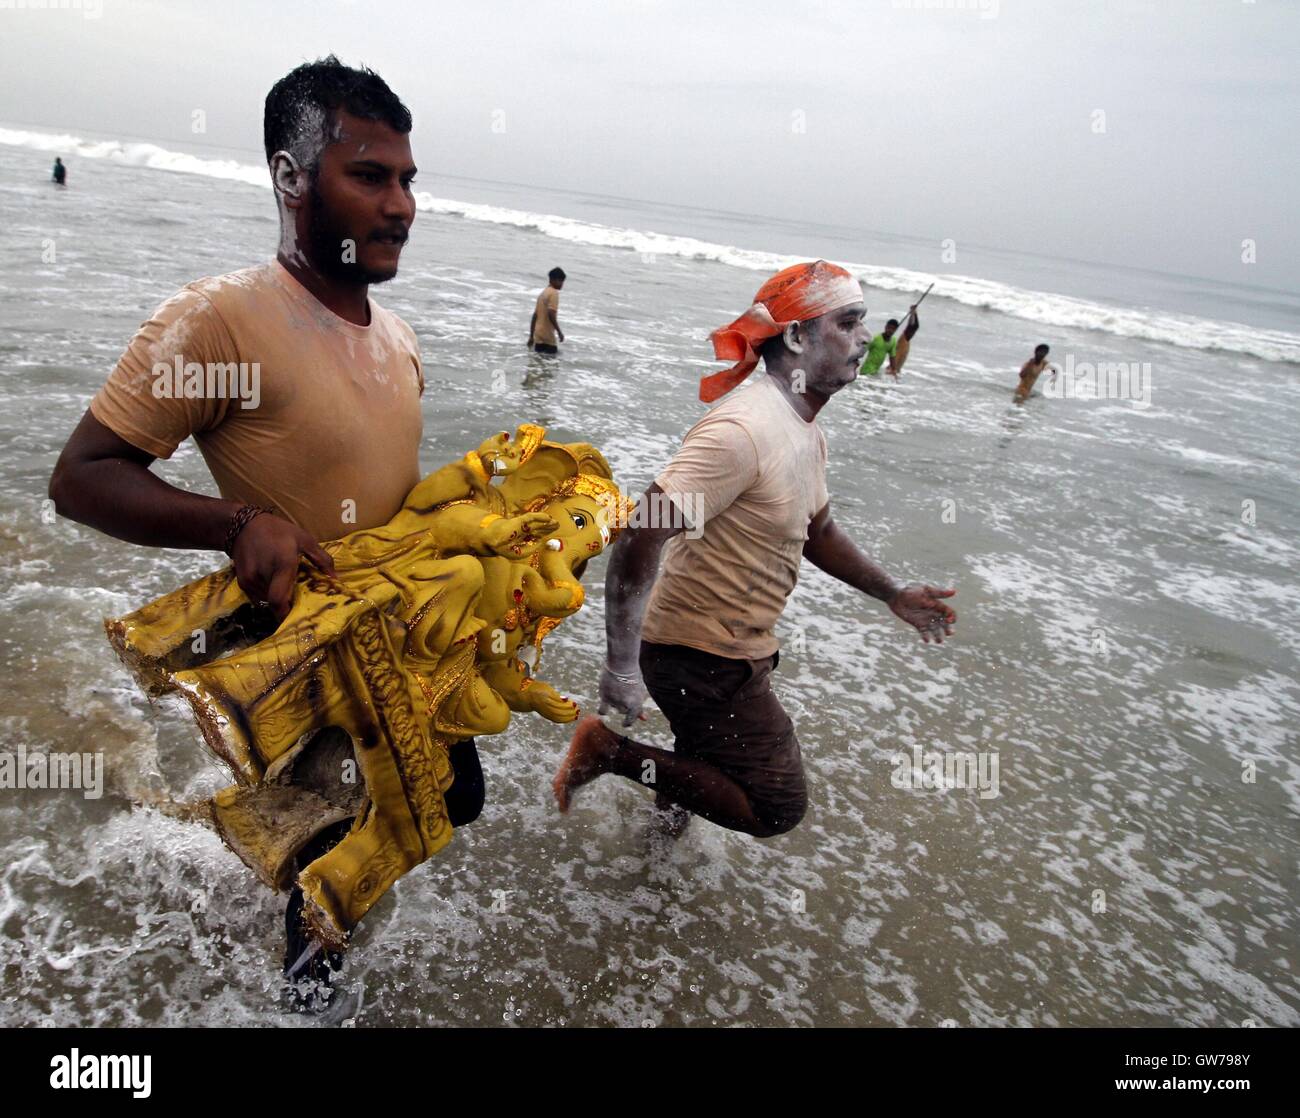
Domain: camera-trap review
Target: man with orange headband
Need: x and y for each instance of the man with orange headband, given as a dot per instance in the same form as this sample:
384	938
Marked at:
749	483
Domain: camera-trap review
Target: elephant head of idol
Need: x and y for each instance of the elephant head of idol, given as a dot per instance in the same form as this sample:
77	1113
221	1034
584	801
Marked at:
572	485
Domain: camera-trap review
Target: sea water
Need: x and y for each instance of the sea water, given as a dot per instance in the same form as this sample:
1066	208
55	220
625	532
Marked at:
1125	656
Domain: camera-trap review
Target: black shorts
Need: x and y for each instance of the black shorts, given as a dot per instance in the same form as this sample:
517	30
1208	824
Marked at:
723	711
542	347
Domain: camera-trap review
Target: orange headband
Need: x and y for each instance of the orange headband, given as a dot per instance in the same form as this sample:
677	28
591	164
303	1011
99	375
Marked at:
797	293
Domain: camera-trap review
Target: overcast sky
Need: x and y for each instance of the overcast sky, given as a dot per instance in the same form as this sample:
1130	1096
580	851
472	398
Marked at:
922	117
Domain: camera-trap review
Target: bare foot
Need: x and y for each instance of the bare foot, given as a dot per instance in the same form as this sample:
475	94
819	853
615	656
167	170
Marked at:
590	752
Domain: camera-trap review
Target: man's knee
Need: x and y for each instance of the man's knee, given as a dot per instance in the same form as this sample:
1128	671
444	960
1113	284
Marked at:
779	807
777	818
780	801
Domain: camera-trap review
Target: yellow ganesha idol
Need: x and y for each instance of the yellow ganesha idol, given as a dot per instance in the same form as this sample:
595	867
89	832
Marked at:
430	632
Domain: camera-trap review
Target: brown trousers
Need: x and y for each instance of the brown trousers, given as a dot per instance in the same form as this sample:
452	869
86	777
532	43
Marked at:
723	711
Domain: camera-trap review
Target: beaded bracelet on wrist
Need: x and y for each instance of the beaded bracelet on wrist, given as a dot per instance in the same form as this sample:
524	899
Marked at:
239	522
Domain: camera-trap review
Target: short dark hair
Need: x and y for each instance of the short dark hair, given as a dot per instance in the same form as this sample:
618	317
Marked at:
303	106
556	274
892	322
1043	348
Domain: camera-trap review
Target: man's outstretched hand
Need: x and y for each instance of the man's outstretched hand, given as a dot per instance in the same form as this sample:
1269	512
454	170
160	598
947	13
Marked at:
265	559
923	607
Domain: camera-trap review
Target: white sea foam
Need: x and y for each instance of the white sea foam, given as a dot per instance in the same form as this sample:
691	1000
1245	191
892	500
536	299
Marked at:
1043	307
138	154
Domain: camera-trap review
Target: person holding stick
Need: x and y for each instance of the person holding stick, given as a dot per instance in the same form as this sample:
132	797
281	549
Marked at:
885	344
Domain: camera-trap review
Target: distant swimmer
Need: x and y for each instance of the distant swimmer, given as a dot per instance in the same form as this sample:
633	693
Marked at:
886	344
544	330
60	175
1031	371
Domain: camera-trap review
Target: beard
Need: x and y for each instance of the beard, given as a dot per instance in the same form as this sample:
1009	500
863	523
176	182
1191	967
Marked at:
325	237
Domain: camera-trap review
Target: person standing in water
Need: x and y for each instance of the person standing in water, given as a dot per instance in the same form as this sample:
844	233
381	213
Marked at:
1030	371
544	331
885	344
749	482
60	175
328	442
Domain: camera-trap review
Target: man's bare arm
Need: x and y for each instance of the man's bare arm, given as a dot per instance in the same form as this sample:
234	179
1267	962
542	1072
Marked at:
831	550
555	322
103	481
633	568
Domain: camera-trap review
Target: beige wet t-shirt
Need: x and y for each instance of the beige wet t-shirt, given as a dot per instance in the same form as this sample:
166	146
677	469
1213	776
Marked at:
332	443
543	331
753	472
